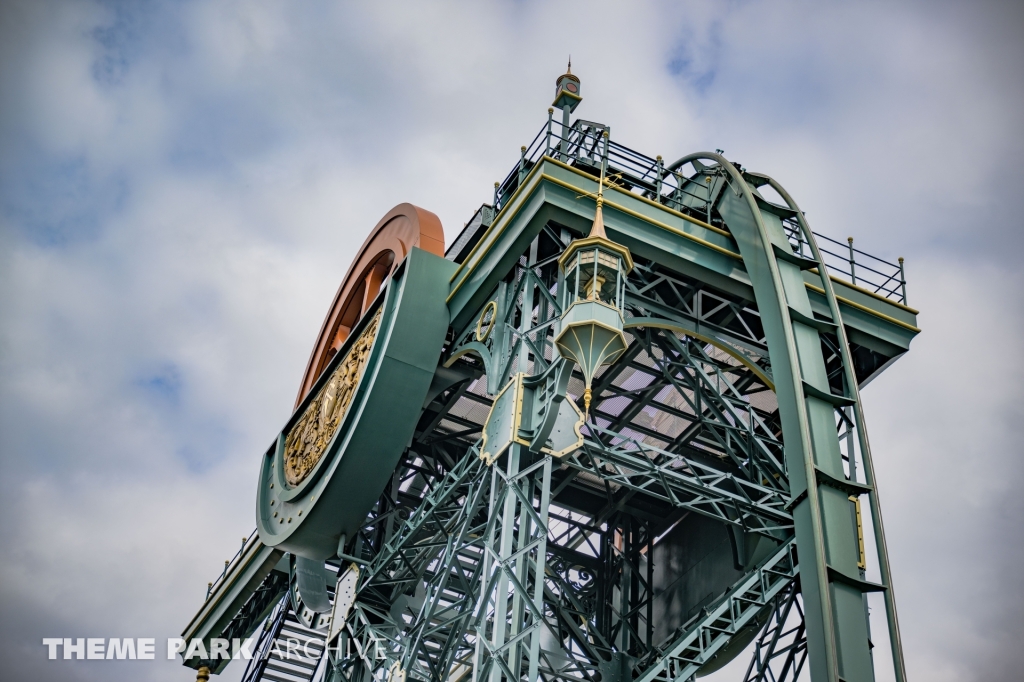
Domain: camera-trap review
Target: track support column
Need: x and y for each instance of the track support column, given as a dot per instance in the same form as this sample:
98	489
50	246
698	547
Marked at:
511	608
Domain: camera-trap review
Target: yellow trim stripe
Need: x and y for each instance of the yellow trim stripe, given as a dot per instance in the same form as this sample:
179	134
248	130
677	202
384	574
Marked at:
618	207
494	222
718	230
530	180
483	253
658	223
870	293
866	309
663	207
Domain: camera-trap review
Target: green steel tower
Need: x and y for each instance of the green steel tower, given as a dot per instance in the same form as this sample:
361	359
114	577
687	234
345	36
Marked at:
613	432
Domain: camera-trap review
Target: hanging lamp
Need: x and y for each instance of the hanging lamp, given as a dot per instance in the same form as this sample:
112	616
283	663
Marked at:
594	273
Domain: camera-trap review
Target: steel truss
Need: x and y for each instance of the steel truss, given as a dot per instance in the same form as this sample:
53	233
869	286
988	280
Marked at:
633	467
703	310
451	554
781	649
509	614
711	397
740	608
539	568
415	598
482	540
463	567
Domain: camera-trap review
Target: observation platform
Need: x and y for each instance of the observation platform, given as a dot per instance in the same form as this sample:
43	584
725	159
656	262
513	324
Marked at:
648	206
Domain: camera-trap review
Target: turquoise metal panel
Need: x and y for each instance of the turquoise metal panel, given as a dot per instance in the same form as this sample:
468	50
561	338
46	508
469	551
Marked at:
243	578
826	537
554	192
335	498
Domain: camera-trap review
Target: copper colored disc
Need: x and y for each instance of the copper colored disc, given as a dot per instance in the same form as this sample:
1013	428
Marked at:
404	227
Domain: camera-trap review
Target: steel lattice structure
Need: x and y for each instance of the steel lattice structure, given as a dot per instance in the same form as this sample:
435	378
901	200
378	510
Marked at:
721	497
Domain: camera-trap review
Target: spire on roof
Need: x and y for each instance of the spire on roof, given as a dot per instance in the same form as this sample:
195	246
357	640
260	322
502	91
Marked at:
597	229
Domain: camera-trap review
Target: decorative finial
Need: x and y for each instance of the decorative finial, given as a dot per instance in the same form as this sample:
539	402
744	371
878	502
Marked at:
597	229
568	69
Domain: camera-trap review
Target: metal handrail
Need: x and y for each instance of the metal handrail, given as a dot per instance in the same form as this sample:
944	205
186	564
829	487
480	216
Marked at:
264	648
869	272
229	562
582	146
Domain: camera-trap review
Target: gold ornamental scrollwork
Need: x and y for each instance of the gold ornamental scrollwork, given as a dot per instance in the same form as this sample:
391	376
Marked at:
308	439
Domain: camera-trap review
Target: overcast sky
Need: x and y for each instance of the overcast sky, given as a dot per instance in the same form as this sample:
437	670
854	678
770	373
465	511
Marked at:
183	185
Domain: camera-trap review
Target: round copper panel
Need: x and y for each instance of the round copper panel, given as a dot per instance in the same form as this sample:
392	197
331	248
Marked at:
404	227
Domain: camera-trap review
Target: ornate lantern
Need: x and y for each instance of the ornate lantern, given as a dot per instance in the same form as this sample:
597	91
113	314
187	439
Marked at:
594	282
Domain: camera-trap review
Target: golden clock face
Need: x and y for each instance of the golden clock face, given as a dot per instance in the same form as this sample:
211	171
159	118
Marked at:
309	437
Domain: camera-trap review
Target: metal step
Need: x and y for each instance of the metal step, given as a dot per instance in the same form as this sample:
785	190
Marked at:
295	657
295	667
284	664
276	677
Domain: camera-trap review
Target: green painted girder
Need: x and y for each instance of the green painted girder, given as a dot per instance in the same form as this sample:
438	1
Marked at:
797	304
388	402
554	191
237	587
695	487
734	614
361	455
832	585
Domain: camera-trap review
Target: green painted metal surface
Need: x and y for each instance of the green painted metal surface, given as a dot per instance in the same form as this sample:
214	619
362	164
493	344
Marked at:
309	518
226	604
649	231
796	305
726	442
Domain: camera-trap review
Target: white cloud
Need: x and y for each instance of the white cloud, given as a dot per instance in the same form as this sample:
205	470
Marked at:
174	230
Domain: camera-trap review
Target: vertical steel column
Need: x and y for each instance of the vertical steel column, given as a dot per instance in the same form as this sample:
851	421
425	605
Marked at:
657	186
604	156
780	640
526	311
566	111
547	137
707	181
903	282
510	609
625	583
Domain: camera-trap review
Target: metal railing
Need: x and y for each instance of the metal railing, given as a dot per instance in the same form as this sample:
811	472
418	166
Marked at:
584	147
272	627
229	562
861	269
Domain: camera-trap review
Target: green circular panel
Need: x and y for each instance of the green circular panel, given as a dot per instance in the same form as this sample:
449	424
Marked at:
338	450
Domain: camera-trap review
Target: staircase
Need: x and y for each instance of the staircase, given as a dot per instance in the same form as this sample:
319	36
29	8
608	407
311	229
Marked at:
288	650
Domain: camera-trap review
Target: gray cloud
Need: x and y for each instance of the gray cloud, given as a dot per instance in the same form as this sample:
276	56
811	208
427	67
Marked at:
182	186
